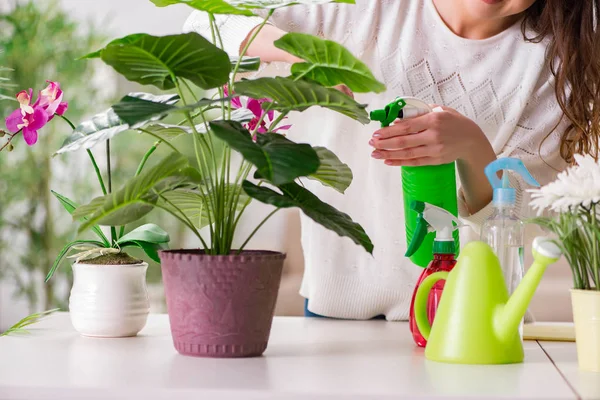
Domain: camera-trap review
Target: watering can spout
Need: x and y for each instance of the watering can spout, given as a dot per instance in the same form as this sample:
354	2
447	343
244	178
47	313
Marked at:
509	317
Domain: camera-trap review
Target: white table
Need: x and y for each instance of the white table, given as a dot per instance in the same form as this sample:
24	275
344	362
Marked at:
306	358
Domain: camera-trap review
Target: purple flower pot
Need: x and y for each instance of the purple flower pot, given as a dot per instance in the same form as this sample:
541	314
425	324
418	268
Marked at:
221	306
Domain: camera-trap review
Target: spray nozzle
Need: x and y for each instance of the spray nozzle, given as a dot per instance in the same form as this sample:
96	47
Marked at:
431	218
401	107
503	193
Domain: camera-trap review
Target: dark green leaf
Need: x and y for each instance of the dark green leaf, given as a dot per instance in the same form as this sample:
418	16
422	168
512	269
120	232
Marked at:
289	95
65	250
159	60
70	206
294	195
277	159
328	63
248	64
151	249
121	41
332	172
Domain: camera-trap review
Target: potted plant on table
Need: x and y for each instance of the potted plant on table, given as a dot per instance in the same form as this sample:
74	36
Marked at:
221	298
574	199
109	296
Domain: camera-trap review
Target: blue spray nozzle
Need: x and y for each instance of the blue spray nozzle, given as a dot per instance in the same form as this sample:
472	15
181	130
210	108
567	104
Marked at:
503	193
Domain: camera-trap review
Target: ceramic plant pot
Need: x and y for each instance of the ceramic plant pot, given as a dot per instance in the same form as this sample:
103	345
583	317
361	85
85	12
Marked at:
586	314
109	300
221	306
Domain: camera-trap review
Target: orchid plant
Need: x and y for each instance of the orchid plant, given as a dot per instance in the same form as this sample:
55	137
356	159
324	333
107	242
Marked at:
27	121
573	199
211	192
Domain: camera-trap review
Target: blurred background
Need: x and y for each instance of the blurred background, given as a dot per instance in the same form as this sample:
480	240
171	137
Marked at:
41	40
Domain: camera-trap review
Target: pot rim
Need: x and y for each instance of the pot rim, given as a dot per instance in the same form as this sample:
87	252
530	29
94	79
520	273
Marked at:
137	265
585	292
245	256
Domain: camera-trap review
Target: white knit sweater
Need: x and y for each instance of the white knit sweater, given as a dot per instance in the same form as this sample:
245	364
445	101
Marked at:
502	83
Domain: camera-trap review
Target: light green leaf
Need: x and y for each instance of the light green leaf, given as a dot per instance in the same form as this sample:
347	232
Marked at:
209	6
70	206
159	60
332	172
289	95
248	64
294	195
151	249
138	197
277	159
328	63
106	125
150	233
29	320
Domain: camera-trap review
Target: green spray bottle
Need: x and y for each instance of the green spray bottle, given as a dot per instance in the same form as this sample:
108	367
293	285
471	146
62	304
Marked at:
433	184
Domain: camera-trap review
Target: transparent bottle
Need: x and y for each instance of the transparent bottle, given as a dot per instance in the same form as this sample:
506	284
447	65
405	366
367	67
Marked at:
503	230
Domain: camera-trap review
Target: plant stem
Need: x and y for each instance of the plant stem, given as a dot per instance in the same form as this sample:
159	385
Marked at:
247	46
159	139
595	266
264	221
113	230
146	157
183	218
277	121
10	138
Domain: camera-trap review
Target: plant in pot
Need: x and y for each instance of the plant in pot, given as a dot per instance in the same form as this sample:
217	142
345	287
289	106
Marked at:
221	298
109	296
573	199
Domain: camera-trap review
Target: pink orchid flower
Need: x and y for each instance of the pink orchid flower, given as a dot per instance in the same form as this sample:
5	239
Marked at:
255	106
27	118
51	100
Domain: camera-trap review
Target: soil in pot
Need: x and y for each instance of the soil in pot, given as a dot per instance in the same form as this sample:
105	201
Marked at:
221	306
112	259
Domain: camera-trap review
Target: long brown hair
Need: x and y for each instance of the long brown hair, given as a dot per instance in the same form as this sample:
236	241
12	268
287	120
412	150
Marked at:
574	58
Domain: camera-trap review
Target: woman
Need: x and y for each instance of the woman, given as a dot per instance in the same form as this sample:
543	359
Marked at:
516	78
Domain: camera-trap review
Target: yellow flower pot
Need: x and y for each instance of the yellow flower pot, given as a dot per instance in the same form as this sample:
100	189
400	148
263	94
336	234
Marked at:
586	315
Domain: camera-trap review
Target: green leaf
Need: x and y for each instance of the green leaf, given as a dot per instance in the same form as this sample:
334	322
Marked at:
289	95
29	320
332	172
106	125
276	158
70	206
209	6
195	206
294	195
248	64
121	41
151	249
150	233
138	197
65	250
159	60
328	63
136	111
167	132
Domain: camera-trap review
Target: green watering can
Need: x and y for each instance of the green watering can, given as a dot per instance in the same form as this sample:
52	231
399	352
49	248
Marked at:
476	322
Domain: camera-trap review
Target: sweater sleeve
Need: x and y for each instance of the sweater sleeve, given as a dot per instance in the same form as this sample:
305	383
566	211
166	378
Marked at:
535	141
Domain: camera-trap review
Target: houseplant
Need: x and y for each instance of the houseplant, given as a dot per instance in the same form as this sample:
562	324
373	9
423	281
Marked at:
109	296
221	297
574	199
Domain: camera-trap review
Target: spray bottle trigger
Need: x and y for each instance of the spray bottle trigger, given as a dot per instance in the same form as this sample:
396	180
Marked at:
421	229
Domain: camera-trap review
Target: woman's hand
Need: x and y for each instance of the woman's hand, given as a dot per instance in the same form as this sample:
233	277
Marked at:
431	139
439	138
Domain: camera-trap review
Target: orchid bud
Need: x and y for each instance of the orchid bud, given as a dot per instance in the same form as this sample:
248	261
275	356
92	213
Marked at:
10	147
2	133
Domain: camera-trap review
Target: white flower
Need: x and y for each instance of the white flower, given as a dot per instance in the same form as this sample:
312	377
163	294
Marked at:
575	187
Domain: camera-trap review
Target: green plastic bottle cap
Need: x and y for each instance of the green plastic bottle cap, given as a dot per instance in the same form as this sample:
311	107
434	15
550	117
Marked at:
444	247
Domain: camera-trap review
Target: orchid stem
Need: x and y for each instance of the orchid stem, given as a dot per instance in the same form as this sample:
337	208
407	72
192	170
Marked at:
264	221
113	230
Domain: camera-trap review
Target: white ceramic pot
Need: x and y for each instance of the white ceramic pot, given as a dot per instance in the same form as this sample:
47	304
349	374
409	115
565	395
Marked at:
586	315
109	300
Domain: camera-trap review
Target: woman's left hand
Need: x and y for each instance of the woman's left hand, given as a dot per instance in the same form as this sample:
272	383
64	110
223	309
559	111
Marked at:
431	139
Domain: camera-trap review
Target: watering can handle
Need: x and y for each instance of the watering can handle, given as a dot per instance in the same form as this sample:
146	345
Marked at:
421	302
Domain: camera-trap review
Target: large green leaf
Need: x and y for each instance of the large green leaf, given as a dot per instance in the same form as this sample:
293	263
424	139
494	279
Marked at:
294	195
277	159
70	206
289	95
195	206
136	111
150	233
106	125
159	60
328	63
332	172
139	196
